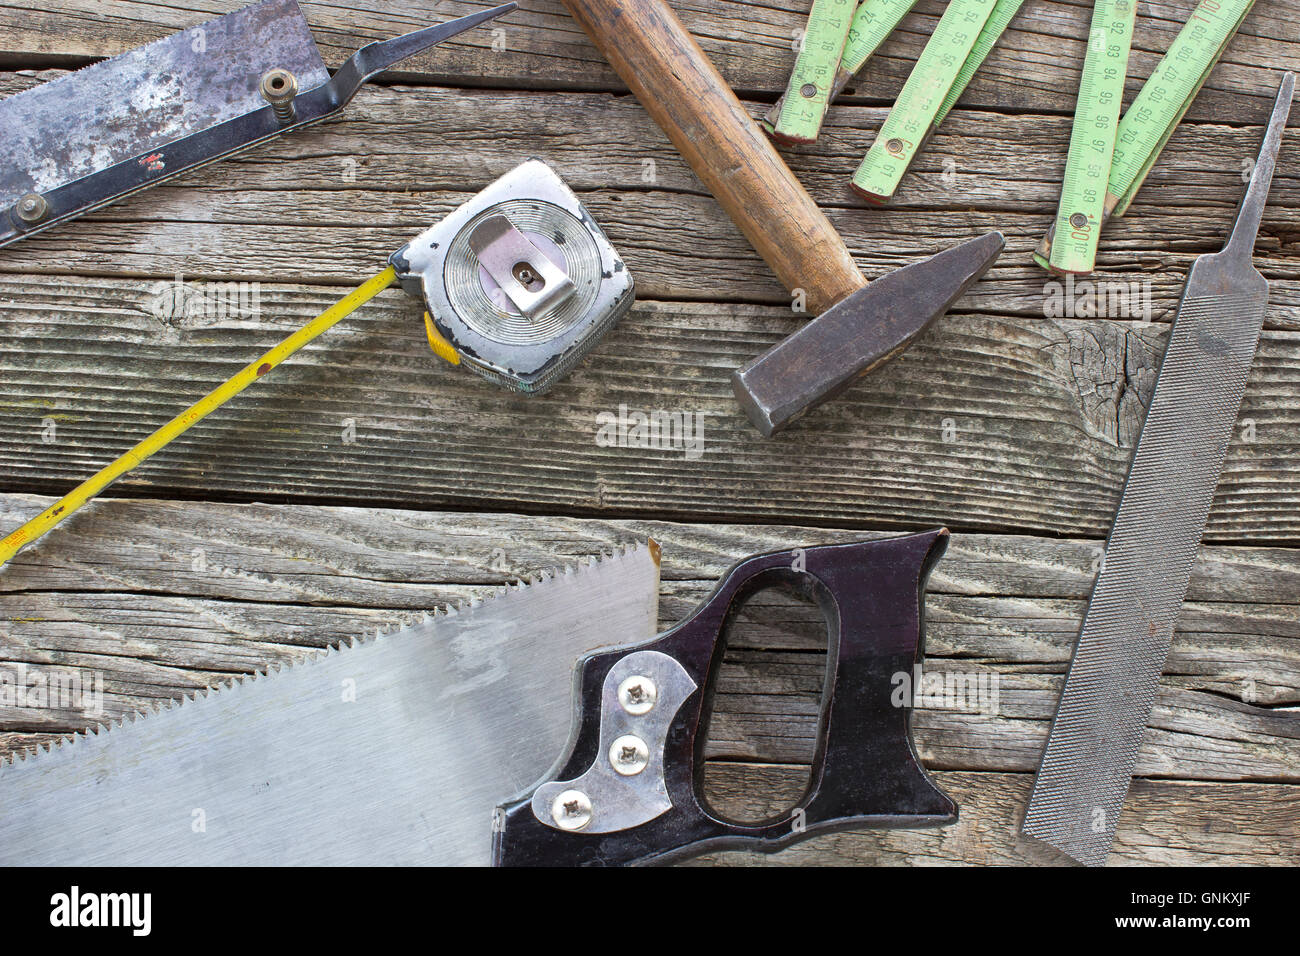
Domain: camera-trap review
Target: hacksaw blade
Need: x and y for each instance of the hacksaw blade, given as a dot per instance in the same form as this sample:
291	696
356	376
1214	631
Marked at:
391	750
137	120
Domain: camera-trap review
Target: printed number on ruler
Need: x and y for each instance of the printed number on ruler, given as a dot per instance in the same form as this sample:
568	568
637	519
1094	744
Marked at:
874	21
1003	13
1167	93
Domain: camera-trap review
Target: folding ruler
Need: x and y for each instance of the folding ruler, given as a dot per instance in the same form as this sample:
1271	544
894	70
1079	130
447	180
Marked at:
829	58
1108	160
797	115
961	41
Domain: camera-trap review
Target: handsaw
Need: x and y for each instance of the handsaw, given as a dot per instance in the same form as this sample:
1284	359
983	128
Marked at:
451	747
394	749
629	789
1151	119
869	324
1127	630
124	124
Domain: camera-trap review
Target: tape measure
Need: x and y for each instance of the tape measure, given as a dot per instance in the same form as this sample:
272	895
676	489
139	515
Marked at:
519	283
1093	136
1159	107
913	114
797	115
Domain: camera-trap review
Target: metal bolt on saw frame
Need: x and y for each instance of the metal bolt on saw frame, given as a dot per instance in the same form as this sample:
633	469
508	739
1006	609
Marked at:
31	208
279	87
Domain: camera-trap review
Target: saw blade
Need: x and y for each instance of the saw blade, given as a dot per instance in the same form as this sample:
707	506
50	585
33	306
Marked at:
1129	625
392	750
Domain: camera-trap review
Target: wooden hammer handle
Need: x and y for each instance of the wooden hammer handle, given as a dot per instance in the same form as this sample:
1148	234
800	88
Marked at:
680	88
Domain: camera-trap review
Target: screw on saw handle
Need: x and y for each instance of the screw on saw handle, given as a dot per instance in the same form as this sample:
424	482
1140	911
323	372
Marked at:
630	788
683	92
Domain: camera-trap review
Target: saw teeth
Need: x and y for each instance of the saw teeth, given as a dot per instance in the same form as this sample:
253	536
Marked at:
231	685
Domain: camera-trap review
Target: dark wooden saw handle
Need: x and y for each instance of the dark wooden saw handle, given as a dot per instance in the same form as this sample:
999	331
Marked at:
865	770
680	88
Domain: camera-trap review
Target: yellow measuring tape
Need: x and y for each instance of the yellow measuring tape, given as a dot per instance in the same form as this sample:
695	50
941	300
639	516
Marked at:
223	393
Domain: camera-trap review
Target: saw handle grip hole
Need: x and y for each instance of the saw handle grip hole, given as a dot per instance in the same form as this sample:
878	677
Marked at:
801	646
762	702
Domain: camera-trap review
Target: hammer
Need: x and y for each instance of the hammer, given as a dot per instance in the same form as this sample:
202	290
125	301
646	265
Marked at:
858	326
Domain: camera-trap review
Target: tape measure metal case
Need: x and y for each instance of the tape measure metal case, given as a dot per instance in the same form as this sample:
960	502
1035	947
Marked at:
519	281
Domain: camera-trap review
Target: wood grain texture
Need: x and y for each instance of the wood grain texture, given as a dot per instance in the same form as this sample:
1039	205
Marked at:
163	597
988	422
1035	66
330	203
1165	823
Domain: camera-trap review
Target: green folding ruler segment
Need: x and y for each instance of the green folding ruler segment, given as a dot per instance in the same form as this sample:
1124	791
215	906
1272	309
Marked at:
961	40
872	24
1004	11
797	115
1092	137
1154	115
826	52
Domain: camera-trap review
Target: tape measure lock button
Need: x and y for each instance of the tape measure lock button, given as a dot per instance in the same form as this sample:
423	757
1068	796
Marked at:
438	342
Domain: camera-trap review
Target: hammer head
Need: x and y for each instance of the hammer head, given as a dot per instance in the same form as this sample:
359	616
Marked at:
860	332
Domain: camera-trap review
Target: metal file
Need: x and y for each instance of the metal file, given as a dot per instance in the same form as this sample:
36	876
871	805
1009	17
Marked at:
1127	631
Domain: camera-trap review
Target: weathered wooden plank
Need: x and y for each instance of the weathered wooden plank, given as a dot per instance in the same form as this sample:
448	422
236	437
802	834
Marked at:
987	423
1021	423
145	649
175	610
1036	65
1164	823
388	558
767	710
330	204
